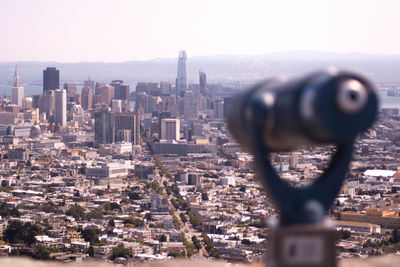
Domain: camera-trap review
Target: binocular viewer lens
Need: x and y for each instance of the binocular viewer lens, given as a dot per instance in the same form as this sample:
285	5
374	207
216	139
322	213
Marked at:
352	96
324	107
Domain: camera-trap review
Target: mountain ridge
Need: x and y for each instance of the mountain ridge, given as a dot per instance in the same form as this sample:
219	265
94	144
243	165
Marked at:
219	68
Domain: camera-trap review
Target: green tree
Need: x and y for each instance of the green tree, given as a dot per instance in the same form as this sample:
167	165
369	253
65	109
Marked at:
162	238
175	203
189	246
121	251
76	211
134	221
82	170
148	216
204	196
35	168
91	251
19	232
8	212
111	223
194	219
42	253
110	206
183	217
196	242
246	242
94	214
395	236
175	255
91	235
176	222
134	195
346	234
209	245
49	207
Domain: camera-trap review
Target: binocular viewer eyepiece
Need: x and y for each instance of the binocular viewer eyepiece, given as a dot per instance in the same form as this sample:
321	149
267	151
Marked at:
278	115
324	107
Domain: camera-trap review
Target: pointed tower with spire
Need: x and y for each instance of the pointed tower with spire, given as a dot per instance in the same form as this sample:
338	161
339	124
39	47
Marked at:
17	92
16	77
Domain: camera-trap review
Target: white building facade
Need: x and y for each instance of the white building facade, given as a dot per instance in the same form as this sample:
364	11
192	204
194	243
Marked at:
170	129
60	107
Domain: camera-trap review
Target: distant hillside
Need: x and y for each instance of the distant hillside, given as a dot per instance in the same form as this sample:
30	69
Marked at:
219	68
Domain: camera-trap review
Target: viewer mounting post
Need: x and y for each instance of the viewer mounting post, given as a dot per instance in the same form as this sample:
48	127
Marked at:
327	107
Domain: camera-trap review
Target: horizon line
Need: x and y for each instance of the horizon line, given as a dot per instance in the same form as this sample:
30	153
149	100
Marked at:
204	56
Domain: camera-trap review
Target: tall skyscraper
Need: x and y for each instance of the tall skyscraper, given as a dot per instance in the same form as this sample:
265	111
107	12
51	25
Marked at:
154	89
189	106
227	103
117	84
203	82
98	87
146	102
87	97
219	109
162	115
17	95
103	127
170	129
17	92
182	78
60	107
122	92
107	125
89	83
70	88
106	94
16	78
168	104
142	91
201	103
37	101
165	87
51	79
27	103
47	103
128	121
142	88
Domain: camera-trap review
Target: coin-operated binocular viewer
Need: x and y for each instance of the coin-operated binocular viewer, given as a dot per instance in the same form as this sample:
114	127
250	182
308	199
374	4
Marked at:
278	115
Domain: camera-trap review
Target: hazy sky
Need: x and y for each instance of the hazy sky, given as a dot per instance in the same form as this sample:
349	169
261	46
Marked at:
121	30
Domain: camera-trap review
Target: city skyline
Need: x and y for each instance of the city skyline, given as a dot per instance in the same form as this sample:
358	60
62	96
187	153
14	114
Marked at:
220	68
75	31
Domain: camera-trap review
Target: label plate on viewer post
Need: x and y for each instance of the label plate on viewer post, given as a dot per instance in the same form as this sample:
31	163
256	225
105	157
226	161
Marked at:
303	250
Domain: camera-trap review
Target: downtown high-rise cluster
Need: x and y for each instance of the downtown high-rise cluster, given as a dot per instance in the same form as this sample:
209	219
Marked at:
119	175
